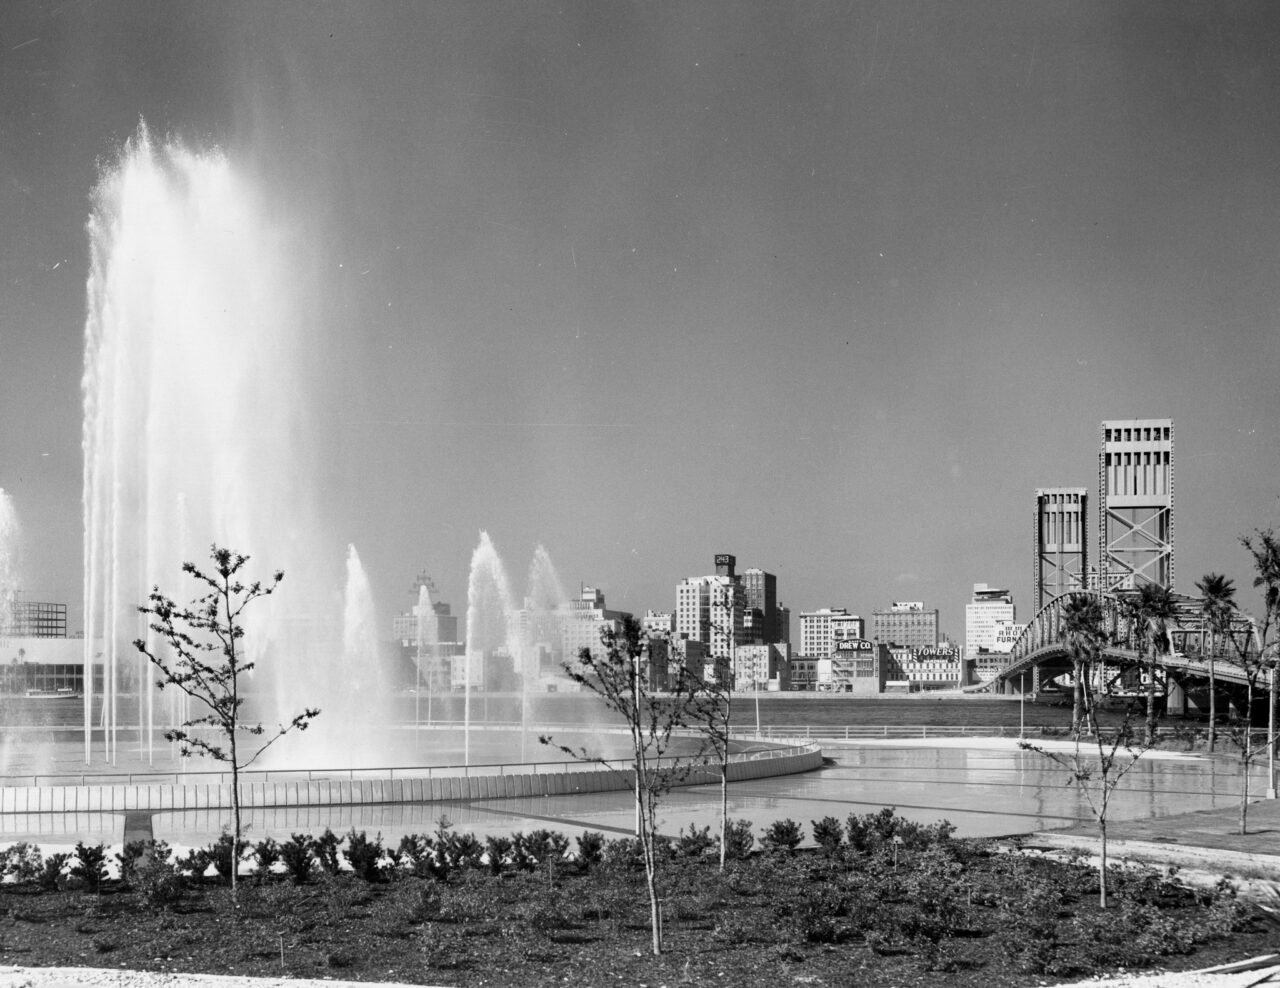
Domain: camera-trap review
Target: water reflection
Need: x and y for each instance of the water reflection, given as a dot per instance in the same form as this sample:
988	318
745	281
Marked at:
983	791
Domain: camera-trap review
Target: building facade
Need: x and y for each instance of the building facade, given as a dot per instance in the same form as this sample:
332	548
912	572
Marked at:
1135	503
759	668
906	623
855	666
986	612
760	592
33	619
818	630
1061	543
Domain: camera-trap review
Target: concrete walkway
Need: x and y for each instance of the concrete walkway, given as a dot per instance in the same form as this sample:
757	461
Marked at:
1208	841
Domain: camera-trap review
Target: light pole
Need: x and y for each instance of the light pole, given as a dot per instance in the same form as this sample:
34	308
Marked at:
1022	704
1271	731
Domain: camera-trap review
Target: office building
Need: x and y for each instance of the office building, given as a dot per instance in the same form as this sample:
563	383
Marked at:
32	619
1061	545
762	667
989	608
712	610
821	629
906	623
584	621
760	592
1135	503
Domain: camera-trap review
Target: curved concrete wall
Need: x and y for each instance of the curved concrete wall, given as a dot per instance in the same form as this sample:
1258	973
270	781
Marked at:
345	792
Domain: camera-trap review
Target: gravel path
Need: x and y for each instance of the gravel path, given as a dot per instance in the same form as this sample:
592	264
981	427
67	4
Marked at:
81	977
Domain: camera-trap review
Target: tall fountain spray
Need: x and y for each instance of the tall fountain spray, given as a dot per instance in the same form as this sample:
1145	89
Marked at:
9	546
195	413
492	642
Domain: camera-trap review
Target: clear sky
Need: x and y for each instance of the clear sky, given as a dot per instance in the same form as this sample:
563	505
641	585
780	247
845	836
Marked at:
831	286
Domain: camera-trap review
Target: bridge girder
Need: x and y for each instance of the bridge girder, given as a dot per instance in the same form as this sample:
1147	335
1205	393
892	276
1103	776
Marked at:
1040	645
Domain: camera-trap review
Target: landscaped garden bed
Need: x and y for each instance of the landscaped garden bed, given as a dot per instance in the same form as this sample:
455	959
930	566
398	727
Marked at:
879	901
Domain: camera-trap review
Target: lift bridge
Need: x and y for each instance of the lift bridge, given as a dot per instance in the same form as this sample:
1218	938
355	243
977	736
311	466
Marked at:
1040	654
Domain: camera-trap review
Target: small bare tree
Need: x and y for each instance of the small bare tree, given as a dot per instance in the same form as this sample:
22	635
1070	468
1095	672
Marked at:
713	712
617	676
1097	769
202	656
1253	641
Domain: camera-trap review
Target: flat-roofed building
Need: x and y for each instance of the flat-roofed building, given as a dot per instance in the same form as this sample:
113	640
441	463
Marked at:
762	667
906	622
821	629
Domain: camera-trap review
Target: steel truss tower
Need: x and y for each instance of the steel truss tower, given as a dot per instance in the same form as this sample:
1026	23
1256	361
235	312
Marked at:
1135	503
1062	548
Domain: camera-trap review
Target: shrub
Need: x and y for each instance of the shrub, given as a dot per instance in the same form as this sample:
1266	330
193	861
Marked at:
546	847
23	862
466	851
196	864
265	853
226	853
53	872
130	854
157	880
695	843
521	858
496	850
365	855
740	839
325	849
590	848
91	865
782	836
828	834
298	857
418	851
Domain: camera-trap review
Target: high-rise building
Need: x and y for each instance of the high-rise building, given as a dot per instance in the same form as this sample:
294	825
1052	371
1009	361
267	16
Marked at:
1135	503
712	610
984	615
584	620
1061	545
906	622
761	592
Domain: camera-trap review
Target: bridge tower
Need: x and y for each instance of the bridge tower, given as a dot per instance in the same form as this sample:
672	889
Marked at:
1135	503
1062	548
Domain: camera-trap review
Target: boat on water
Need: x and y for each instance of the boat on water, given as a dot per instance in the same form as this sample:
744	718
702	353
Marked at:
61	693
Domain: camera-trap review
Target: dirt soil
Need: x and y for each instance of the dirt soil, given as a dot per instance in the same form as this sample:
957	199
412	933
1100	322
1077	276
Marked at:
958	915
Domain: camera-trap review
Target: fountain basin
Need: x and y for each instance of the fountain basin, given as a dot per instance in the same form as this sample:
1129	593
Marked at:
350	787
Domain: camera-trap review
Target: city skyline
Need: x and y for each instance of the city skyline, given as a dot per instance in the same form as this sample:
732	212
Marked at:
835	290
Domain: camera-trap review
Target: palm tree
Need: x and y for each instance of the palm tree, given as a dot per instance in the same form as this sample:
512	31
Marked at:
1217	606
1156	611
1083	636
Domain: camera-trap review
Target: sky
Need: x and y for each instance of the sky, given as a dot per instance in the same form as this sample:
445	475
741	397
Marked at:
830	286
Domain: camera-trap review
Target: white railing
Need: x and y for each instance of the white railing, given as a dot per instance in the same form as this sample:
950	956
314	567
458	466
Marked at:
388	772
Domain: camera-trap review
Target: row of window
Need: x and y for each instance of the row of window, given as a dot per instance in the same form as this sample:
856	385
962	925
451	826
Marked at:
1143	434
